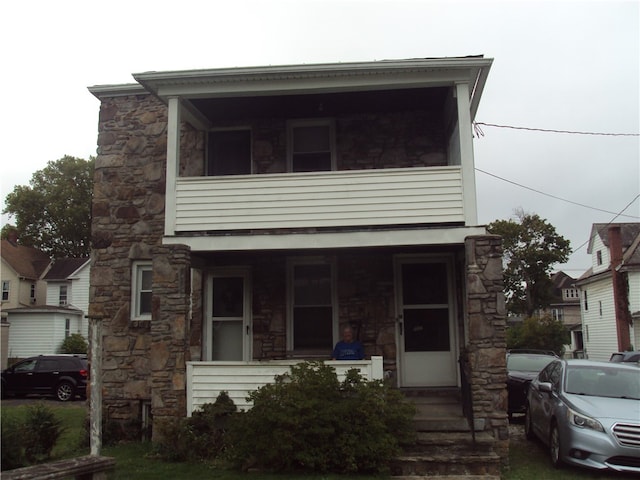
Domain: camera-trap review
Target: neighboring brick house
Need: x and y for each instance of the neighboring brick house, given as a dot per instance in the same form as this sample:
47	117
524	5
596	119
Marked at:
244	215
610	290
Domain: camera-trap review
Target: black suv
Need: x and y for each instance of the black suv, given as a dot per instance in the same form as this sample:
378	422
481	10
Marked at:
63	376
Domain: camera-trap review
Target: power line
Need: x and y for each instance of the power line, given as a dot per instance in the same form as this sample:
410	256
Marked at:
478	131
556	197
610	222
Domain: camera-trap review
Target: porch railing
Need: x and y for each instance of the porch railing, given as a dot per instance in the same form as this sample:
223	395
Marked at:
205	380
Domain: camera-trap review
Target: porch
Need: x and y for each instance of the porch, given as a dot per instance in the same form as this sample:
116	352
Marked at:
205	380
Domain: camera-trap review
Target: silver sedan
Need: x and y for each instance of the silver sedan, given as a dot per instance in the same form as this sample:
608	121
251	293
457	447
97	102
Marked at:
587	413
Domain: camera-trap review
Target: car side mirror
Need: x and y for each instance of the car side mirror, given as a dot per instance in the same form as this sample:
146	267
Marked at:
545	387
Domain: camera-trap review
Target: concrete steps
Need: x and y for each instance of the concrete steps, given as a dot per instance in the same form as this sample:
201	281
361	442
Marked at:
444	446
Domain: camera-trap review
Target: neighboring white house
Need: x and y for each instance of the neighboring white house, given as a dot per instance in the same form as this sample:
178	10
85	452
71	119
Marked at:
610	319
41	329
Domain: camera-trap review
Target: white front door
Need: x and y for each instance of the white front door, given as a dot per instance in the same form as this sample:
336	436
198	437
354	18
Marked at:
426	333
228	335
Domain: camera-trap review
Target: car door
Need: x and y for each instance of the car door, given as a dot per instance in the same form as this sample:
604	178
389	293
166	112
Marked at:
19	377
46	375
549	400
539	400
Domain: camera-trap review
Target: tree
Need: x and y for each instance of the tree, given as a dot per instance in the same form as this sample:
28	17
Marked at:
531	249
53	213
543	333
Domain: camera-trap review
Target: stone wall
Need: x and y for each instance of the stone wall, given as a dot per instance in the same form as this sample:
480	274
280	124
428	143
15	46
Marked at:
486	345
127	224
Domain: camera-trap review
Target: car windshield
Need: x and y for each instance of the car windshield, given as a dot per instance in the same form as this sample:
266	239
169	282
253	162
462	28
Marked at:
528	363
599	381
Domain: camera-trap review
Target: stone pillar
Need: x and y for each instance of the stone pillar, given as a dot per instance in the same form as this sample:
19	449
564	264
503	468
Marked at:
169	331
486	345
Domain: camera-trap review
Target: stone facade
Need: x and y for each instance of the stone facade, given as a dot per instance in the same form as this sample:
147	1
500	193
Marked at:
486	346
144	361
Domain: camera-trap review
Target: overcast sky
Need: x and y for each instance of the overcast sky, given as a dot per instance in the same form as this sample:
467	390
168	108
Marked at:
557	65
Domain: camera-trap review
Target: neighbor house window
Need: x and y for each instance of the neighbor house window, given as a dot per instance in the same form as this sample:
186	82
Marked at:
557	314
586	301
599	257
600	307
62	295
141	283
32	293
67	327
312	303
229	152
5	290
311	145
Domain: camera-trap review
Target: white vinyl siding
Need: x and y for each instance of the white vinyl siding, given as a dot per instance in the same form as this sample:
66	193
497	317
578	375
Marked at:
77	295
205	380
406	196
599	246
39	333
602	341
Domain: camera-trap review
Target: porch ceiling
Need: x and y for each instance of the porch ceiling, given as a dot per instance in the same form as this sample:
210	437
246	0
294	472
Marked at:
327	240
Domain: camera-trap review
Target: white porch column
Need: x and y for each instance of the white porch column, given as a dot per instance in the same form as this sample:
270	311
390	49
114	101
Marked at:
466	154
173	163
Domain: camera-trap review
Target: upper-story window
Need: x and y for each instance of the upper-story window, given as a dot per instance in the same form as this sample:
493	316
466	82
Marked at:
599	257
311	145
570	293
586	301
5	290
141	291
229	152
63	295
32	293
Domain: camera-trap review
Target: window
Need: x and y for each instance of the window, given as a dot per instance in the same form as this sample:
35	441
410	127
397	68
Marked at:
586	302
67	327
312	302
557	314
32	293
5	290
311	145
229	152
599	257
141	283
570	293
600	307
62	296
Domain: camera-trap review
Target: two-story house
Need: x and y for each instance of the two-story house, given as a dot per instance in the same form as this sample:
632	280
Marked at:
242	216
610	290
40	329
565	308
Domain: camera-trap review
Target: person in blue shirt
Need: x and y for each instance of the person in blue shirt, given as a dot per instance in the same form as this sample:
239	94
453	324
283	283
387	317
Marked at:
348	348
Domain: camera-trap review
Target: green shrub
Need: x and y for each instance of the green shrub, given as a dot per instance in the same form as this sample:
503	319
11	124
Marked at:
11	439
543	333
41	432
307	420
199	437
74	343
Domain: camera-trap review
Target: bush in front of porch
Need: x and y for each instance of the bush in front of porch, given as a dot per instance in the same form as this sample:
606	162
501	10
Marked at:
308	420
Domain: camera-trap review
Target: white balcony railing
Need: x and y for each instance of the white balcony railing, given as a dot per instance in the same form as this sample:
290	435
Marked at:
383	197
205	380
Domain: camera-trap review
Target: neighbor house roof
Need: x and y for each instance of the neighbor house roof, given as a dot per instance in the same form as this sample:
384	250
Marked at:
63	268
27	262
628	233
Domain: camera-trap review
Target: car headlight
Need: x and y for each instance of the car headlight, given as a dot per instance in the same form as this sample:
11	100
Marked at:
582	421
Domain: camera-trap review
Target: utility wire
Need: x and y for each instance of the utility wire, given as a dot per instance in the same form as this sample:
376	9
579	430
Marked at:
560	198
479	133
610	222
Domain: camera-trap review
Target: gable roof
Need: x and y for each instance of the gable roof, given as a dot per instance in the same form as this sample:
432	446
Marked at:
63	268
628	233
27	262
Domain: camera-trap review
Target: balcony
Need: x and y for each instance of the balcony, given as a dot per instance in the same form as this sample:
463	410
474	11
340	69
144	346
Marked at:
336	199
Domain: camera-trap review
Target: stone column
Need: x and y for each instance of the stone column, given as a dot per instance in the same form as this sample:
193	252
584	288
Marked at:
486	347
169	331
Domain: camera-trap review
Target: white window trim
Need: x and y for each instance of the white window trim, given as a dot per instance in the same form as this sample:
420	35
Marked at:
7	290
66	295
314	260
229	129
311	122
136	278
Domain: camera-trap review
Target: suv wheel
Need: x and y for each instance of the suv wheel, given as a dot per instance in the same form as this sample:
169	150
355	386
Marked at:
64	391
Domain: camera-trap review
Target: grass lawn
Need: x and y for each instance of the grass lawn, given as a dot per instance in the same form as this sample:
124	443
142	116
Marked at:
529	460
